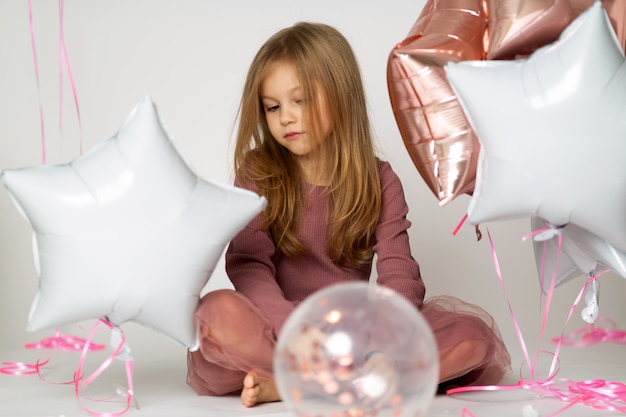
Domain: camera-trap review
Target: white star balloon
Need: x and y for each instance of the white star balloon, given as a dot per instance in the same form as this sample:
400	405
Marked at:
581	253
127	231
552	129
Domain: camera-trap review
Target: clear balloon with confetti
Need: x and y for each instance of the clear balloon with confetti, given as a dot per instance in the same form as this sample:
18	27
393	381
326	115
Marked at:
355	350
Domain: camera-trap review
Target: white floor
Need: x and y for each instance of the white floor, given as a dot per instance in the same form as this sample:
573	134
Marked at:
161	391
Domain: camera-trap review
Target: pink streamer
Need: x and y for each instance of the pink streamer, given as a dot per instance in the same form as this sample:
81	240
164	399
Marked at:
34	48
458	227
591	334
70	343
598	393
56	342
78	375
21	368
64	343
64	63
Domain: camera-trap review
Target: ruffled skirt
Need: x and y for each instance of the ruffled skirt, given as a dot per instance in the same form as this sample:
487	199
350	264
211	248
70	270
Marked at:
246	341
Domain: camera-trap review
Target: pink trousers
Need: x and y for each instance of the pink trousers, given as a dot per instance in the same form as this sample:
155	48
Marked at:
236	338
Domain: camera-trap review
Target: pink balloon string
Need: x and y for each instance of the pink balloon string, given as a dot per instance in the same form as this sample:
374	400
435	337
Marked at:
36	65
458	226
597	393
79	379
71	343
64	65
591	334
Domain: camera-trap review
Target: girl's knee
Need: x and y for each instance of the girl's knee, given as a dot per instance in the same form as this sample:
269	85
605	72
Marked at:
223	300
471	353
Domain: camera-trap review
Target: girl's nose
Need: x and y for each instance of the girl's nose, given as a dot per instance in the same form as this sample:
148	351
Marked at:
287	115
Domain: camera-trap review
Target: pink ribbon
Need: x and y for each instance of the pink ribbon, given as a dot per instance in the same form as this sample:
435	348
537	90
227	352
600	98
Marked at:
458	226
64	64
598	393
21	368
56	342
465	412
70	343
34	49
64	343
591	334
80	381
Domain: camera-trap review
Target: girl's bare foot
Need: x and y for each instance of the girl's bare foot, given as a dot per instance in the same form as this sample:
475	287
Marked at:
258	389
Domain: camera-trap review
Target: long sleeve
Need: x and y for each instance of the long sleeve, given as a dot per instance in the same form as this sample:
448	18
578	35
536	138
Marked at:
251	270
396	267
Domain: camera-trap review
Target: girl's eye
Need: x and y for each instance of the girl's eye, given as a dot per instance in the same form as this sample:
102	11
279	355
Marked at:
271	108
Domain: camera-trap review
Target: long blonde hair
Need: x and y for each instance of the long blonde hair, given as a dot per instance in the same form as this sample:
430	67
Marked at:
326	65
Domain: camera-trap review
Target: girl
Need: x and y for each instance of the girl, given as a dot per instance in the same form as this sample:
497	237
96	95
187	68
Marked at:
304	142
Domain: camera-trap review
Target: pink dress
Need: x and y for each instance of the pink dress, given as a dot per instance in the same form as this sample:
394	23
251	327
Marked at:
269	287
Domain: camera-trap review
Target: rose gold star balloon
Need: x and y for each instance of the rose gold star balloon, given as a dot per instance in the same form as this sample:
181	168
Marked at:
519	27
432	124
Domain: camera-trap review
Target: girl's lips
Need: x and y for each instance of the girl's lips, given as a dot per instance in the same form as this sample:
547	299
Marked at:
292	135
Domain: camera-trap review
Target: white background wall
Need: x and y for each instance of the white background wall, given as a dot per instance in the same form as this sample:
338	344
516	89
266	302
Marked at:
191	57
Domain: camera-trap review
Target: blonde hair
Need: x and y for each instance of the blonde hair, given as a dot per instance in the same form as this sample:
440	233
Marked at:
326	66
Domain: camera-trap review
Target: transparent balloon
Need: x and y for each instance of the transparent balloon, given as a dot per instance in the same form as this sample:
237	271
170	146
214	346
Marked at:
356	349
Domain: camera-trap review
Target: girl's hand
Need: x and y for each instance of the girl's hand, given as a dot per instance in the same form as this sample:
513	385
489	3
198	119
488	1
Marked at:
307	352
379	380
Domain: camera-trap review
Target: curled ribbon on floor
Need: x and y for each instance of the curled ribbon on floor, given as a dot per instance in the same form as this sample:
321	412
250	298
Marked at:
59	341
596	393
64	342
22	368
121	351
592	334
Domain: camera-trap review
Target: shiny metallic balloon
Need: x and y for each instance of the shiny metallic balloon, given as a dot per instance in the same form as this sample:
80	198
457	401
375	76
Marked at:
432	124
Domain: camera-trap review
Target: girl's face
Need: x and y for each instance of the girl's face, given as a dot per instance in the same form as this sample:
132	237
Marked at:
285	106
